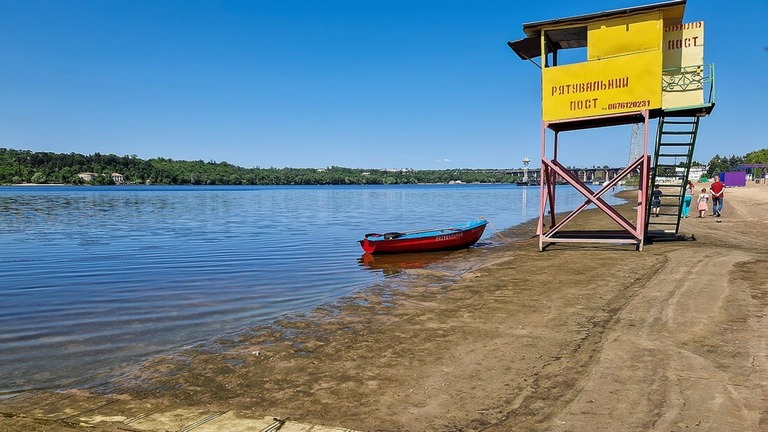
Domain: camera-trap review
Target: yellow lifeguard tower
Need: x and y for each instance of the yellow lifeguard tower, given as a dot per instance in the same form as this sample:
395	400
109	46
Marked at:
637	64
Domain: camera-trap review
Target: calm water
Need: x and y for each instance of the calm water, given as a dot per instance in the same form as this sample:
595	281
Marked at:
92	278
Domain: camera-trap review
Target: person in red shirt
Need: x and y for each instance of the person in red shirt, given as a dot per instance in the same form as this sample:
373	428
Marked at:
717	189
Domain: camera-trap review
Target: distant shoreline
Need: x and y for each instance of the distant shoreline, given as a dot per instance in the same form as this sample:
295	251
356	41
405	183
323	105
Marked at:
37	184
259	185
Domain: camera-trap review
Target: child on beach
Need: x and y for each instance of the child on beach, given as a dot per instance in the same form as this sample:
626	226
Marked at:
687	199
702	203
656	200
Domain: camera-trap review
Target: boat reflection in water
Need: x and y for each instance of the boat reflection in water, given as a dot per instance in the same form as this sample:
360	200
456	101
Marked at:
391	265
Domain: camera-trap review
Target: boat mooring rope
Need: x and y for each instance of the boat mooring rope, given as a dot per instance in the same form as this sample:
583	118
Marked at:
503	236
494	228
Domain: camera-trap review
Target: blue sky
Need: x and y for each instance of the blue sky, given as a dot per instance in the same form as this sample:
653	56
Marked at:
361	84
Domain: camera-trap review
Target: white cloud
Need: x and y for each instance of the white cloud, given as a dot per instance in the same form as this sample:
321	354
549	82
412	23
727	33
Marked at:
444	160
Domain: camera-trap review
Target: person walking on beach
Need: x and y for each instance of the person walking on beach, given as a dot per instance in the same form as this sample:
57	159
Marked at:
687	199
656	200
701	205
718	190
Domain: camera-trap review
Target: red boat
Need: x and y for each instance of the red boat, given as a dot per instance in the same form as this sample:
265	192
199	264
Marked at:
455	237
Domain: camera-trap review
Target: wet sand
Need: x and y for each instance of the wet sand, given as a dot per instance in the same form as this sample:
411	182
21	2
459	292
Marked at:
576	338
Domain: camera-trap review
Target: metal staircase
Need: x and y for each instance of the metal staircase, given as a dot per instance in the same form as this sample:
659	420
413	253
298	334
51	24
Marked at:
675	140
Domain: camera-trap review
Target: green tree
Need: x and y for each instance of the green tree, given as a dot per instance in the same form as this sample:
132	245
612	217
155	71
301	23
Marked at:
39	177
757	157
720	164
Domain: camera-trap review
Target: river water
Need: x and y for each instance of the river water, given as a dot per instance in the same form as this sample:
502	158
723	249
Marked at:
93	278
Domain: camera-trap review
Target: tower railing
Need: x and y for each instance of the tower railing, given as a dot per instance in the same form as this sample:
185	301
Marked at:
691	78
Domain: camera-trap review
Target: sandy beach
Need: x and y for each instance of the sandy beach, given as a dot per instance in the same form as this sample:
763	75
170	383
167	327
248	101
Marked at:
575	338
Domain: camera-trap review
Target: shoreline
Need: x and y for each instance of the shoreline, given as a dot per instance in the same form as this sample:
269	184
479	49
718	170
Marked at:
509	338
35	184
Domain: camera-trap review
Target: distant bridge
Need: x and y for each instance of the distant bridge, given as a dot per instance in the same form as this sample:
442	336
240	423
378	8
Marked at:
586	175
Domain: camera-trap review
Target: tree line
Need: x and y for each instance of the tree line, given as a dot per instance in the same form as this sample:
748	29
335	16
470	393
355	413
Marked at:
24	166
720	164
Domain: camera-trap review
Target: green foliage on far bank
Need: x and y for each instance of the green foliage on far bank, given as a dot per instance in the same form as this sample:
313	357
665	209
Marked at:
720	164
23	166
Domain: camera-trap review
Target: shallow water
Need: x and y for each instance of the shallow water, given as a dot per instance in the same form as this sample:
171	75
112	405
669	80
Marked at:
92	278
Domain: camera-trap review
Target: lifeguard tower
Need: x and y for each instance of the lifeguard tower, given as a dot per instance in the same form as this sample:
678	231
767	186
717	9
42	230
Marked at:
639	64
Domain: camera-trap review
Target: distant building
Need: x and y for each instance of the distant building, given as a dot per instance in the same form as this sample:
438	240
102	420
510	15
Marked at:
87	176
696	173
118	178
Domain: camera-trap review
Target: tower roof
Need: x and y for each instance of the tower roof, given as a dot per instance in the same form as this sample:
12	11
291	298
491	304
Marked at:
573	36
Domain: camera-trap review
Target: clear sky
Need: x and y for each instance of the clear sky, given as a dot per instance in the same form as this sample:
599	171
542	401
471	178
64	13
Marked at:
314	83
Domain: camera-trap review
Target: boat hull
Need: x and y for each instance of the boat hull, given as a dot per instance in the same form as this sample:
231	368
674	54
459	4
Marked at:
452	238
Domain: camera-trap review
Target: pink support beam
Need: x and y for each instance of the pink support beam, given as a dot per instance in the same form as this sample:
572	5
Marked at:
552	169
593	197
